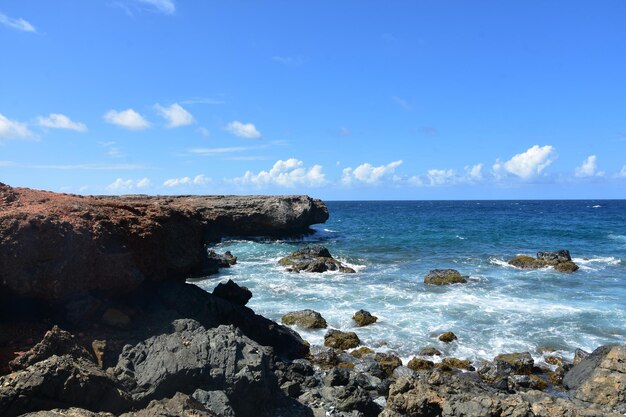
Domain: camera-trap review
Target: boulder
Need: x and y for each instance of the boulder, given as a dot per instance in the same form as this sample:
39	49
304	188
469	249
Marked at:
364	318
233	293
362	352
429	351
520	362
190	357
214	261
418	364
556	256
388	362
307	319
313	259
560	260
341	340
455	363
444	277
447	337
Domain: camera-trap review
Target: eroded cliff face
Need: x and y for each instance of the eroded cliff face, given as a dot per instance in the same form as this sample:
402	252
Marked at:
56	245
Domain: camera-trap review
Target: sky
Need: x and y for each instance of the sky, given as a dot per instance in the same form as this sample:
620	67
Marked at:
341	100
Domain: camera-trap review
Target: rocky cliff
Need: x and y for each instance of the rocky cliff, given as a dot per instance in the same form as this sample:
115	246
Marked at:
57	245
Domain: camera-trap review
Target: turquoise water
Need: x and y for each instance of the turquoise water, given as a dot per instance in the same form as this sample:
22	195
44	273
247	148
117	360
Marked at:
393	245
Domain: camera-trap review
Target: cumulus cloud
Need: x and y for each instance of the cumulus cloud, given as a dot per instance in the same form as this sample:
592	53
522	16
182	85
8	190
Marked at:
622	172
243	130
61	121
161	6
128	119
474	173
122	185
17	24
175	115
589	168
441	176
11	129
289	173
368	174
197	180
527	164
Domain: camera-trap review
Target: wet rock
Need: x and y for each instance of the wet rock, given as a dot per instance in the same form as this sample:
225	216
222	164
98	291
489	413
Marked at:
192	356
566	267
313	259
444	277
579	355
447	337
364	318
307	319
388	362
213	262
556	256
521	362
341	340
362	352
232	292
430	351
455	363
560	260
600	378
418	364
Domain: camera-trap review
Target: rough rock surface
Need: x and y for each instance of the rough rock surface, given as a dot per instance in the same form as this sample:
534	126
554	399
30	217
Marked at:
180	405
444	277
307	319
191	357
560	260
364	318
447	337
55	245
232	292
341	340
313	259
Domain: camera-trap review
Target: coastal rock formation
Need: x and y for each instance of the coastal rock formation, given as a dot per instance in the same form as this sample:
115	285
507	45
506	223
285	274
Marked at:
364	318
307	319
444	277
560	260
313	259
341	340
232	292
447	337
56	245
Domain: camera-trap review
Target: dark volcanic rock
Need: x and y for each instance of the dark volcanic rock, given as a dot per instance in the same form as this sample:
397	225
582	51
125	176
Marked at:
232	292
307	319
214	261
444	277
57	245
560	260
313	259
180	405
191	357
558	256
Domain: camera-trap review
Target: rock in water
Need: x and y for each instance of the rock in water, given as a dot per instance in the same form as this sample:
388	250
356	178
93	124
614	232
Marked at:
447	337
444	277
313	259
558	256
232	292
341	340
307	319
560	260
364	318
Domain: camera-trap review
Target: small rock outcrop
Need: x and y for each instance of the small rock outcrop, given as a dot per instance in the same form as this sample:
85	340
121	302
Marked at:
364	318
447	337
444	277
232	292
341	340
307	319
560	260
521	362
313	259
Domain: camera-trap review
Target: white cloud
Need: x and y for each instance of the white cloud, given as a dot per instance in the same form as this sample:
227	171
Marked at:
11	129
203	131
128	119
162	6
289	173
622	172
197	180
217	151
527	164
17	24
589	168
441	176
474	173
175	115
243	130
122	185
368	174
61	121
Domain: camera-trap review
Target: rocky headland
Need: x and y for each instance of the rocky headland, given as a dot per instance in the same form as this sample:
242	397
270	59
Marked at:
97	320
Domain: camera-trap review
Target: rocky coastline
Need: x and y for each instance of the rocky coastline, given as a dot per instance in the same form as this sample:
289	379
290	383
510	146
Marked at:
97	319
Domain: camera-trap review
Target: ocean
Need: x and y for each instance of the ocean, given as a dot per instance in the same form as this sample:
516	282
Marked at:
394	244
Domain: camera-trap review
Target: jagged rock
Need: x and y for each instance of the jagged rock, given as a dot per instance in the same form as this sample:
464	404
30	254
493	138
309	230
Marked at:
350	398
418	364
560	260
69	412
213	261
341	340
55	245
521	362
337	376
99	348
215	401
324	357
495	373
55	342
388	362
307	319
192	356
601	378
429	351
444	277
517	382
60	382
364	318
447	337
362	352
579	355
313	259
232	292
455	363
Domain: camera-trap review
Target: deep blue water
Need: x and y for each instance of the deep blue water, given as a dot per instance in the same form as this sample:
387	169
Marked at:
393	245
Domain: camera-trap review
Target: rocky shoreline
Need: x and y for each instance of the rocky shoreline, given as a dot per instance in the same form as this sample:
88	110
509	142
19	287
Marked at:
97	320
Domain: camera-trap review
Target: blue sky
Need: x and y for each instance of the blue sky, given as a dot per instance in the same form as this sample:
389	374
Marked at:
336	99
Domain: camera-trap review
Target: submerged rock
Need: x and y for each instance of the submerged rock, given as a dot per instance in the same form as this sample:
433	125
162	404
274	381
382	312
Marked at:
560	260
341	340
364	318
313	259
307	319
444	277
